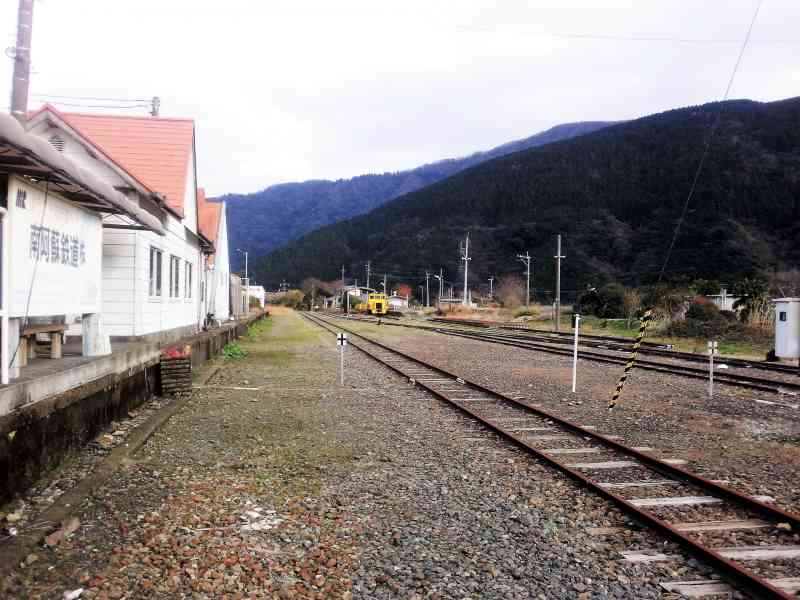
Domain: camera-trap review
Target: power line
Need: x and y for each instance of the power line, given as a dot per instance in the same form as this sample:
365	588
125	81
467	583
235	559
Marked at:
72	105
623	38
92	98
711	133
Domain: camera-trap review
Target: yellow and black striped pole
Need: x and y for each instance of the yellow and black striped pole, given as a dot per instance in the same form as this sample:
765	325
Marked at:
629	365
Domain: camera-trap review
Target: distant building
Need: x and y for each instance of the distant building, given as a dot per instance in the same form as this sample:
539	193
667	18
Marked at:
257	292
397	302
213	225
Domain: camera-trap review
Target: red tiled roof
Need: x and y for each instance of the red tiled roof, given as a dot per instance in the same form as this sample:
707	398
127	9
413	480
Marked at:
208	216
154	150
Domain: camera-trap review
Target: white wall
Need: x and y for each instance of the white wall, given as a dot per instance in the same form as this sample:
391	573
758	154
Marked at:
76	151
222	271
128	308
51	285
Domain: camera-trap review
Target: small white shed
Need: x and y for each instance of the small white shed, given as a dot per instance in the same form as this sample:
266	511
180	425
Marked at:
787	327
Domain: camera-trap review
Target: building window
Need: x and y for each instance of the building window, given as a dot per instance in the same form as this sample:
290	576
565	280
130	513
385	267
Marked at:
174	276
22	195
155	271
187	280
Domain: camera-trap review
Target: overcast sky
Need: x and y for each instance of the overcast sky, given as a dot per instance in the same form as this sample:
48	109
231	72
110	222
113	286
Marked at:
293	90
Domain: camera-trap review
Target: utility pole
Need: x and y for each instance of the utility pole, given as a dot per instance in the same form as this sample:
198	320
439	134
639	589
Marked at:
385	289
440	277
465	257
22	61
491	291
427	289
344	290
558	258
526	260
369	263
421	294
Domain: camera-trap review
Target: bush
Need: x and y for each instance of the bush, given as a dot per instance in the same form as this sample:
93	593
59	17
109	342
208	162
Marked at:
292	298
608	302
714	329
703	312
532	311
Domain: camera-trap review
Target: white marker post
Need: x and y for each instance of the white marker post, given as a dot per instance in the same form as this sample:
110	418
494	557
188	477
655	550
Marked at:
341	339
575	354
712	350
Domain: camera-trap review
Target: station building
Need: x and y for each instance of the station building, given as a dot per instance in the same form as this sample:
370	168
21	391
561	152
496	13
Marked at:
53	215
151	284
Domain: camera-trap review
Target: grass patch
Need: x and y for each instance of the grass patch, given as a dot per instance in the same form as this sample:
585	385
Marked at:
234	351
531	311
259	328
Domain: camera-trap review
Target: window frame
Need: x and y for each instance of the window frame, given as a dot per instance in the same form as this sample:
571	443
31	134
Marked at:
155	288
188	277
174	276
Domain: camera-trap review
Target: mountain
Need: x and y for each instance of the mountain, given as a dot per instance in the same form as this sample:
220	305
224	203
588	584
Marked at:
615	195
266	220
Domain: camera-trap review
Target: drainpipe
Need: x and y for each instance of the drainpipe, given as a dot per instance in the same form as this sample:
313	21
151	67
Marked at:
4	349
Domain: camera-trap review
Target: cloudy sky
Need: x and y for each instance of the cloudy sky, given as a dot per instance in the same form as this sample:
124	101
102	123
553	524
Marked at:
292	90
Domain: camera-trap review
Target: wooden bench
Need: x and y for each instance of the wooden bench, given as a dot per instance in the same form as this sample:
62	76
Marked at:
27	341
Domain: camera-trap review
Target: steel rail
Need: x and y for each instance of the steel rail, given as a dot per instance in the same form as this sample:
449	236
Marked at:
757	383
743	577
652	347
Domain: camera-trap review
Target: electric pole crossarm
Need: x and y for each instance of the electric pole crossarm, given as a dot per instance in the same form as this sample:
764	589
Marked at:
558	258
465	257
526	260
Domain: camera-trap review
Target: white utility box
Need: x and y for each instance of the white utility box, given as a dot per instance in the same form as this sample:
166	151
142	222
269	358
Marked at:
787	327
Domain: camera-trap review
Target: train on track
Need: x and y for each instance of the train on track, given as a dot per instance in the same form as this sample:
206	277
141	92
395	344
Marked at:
377	304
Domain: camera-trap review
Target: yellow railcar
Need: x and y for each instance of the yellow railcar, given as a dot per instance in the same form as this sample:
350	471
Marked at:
376	304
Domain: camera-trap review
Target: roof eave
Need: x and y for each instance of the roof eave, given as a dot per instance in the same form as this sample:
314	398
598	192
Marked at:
30	156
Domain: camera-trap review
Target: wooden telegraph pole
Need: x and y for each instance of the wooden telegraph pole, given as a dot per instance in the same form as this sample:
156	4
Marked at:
22	61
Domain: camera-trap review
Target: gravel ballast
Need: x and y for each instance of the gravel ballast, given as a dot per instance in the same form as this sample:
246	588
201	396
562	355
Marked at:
301	488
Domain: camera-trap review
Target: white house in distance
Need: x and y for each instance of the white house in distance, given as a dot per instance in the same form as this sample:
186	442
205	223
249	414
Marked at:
151	283
214	226
398	302
52	215
258	292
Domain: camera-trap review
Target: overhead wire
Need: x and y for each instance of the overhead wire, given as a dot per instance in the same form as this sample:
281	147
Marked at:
618	37
91	98
117	106
709	139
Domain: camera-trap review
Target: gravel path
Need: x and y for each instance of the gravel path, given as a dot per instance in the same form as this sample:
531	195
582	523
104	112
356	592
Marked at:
300	488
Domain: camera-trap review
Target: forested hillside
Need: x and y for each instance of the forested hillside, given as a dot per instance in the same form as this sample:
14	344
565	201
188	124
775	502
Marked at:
614	194
268	219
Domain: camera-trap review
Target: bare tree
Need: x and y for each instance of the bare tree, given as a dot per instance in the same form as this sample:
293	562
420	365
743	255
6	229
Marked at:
631	303
511	291
786	283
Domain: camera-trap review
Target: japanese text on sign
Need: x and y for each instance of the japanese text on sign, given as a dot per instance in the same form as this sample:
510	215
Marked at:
56	247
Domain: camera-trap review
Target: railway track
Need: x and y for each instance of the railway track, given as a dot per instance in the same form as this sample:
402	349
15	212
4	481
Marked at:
652	489
617	343
670	367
